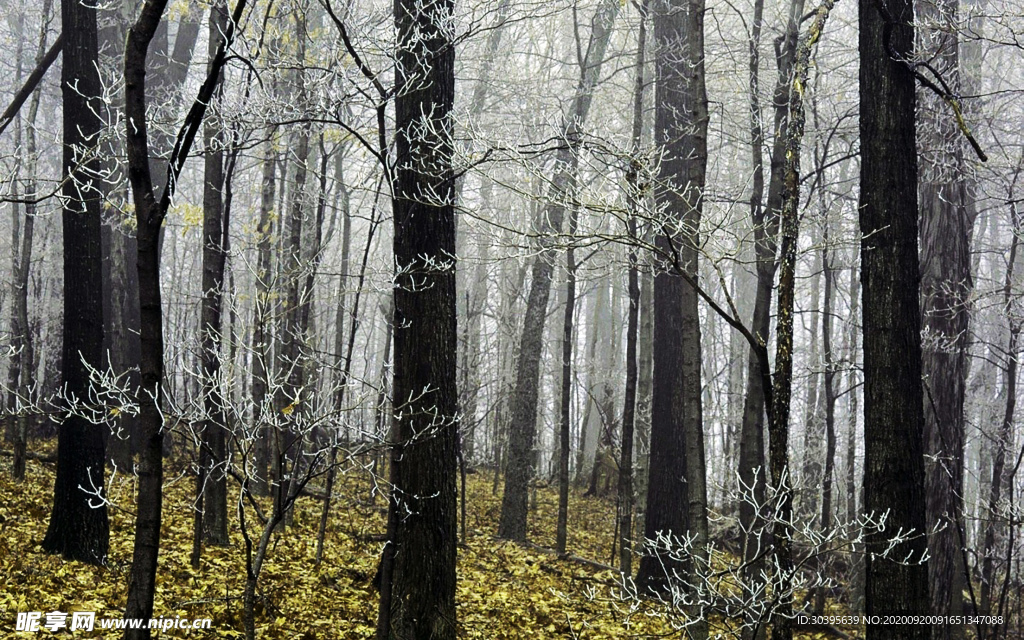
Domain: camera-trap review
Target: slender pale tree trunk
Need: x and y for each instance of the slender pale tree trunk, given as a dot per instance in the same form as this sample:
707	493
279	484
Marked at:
523	427
19	374
263	306
1005	435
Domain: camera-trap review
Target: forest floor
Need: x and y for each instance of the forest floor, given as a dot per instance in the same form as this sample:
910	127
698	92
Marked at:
504	591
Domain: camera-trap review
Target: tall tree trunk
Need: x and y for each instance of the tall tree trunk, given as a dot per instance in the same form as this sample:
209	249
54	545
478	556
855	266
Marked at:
1004	439
829	384
765	221
20	370
418	568
782	388
635	192
809	478
213	456
644	386
564	426
893	398
77	530
856	588
150	214
523	428
677	491
591	425
262	414
289	405
945	237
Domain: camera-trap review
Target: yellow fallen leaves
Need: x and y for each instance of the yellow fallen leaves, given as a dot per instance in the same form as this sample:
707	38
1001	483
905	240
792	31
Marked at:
505	591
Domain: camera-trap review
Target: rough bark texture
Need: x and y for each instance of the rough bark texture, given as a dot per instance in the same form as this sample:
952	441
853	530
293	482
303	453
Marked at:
289	406
945	237
523	429
890	276
78	530
677	493
782	389
419	561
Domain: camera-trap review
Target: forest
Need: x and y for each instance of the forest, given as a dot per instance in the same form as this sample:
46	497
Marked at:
425	319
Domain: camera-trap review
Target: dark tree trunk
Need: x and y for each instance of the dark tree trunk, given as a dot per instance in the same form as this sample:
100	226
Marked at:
79	529
636	197
149	216
150	213
753	471
213	456
827	477
564	426
945	237
782	387
677	493
524	400
418	572
890	276
262	360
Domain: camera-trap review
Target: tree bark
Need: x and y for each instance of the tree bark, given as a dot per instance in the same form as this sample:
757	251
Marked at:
782	388
677	492
753	472
945	237
419	561
79	528
262	415
289	406
890	277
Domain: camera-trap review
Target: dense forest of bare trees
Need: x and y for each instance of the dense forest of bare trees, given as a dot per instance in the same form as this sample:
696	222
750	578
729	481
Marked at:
741	277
